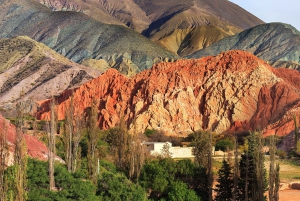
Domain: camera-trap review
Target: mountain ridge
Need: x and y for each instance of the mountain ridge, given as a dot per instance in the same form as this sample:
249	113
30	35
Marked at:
78	37
277	43
230	92
31	70
158	19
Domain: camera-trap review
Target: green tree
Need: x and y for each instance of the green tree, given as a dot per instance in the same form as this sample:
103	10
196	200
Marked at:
224	144
201	147
162	177
69	187
202	141
179	191
225	183
93	136
296	134
117	187
274	180
20	156
73	132
253	181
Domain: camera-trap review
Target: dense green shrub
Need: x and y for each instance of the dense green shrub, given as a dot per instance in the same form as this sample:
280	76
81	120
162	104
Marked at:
162	178
224	144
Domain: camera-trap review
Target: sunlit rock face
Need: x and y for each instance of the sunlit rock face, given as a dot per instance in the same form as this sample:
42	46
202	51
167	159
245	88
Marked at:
233	91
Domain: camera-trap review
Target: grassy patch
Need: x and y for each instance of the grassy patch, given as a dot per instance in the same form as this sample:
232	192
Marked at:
289	169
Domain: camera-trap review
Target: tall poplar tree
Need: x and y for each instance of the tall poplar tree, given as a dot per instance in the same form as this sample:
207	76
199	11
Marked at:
274	180
235	169
253	182
4	152
20	156
202	151
93	132
52	130
72	136
224	188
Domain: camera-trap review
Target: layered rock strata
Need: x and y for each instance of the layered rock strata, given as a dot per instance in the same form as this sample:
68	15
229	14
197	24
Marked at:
233	91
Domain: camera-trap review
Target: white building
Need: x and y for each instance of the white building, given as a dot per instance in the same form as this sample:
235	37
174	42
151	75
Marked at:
156	148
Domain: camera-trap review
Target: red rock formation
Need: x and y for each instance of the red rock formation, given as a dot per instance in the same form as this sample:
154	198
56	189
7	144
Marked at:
35	148
234	91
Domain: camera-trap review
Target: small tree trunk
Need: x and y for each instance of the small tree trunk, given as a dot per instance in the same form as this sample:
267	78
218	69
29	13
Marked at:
272	169
20	156
277	184
274	180
235	170
93	136
3	160
247	177
51	143
260	168
210	172
296	133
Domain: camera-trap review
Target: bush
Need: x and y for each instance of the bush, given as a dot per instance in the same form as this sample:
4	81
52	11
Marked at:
281	154
224	144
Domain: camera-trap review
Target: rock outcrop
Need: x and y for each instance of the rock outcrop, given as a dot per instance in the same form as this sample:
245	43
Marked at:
233	91
35	148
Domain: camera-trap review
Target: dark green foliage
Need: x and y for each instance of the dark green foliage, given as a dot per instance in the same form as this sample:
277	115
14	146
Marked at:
162	177
118	188
69	187
201	148
179	191
224	144
111	185
225	183
253	180
281	153
149	132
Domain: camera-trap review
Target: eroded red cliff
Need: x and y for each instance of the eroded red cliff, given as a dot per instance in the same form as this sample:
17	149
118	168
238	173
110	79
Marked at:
234	91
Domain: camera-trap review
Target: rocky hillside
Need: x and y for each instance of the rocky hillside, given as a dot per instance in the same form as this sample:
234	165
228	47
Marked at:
180	26
35	148
79	37
277	43
233	91
31	70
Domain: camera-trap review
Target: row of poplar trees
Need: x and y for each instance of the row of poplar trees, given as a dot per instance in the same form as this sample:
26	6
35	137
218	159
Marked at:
246	179
127	153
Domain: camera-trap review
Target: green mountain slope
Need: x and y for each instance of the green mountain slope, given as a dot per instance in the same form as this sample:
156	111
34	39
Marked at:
78	37
277	43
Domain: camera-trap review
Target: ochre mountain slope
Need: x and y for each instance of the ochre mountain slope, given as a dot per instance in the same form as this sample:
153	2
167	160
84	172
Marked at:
174	24
31	70
233	91
35	148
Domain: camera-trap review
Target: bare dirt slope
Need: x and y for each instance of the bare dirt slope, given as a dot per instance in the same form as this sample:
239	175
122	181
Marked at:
31	70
